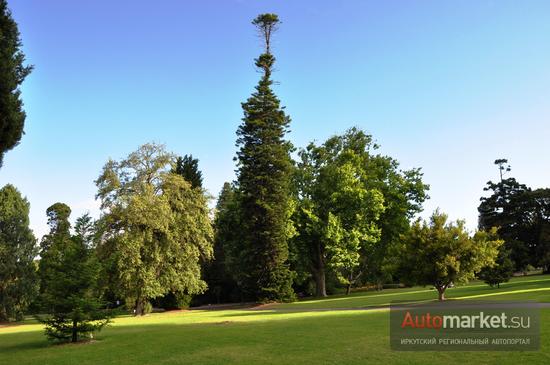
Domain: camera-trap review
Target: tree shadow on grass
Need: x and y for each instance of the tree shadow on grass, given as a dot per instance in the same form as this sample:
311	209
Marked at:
334	338
25	344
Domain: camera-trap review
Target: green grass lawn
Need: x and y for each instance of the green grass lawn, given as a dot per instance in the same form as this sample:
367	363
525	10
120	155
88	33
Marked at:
535	288
282	334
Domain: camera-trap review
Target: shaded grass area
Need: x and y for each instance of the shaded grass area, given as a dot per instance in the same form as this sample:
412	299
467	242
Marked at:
271	336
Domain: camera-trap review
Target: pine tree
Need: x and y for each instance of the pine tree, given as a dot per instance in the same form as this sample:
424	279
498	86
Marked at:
18	281
188	168
69	273
264	168
12	73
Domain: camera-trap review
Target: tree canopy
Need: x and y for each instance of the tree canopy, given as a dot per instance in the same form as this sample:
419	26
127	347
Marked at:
188	168
522	216
351	205
18	249
442	253
69	271
154	229
13	72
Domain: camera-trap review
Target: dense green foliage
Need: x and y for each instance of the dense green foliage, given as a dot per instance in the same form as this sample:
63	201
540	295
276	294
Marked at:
522	216
68	289
222	273
338	212
440	254
154	229
501	271
18	279
12	74
263	184
188	168
352	204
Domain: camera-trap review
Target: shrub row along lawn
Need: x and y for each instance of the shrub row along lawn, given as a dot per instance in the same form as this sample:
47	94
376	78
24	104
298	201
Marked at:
282	334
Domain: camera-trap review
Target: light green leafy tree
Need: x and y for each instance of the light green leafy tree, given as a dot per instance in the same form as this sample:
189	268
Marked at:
337	211
442	253
155	228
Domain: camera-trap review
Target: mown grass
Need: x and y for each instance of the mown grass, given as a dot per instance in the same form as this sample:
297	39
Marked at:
536	288
284	334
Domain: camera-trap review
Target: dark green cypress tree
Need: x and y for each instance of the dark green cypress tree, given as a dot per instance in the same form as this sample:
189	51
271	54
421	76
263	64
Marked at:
188	168
263	180
12	73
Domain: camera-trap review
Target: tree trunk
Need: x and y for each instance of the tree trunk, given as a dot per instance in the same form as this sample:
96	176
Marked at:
321	289
320	281
75	333
441	291
140	307
348	289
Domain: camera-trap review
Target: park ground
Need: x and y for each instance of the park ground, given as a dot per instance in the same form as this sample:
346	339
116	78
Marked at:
346	330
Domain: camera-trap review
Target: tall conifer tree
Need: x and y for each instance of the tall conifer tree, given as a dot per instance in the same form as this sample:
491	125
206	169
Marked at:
264	168
12	73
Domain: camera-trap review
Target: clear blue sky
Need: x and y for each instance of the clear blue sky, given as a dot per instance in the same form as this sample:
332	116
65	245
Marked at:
443	85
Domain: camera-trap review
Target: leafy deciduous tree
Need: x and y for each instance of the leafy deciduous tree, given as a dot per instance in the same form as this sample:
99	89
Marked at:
155	228
380	201
337	211
440	254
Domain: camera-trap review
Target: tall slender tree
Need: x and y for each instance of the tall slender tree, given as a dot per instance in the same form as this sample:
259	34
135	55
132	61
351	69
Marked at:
18	281
263	180
13	72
